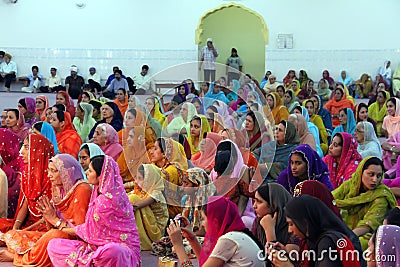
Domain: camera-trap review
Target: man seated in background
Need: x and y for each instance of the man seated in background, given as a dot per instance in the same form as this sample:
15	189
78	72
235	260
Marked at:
53	82
143	82
117	83
74	83
112	76
94	80
33	81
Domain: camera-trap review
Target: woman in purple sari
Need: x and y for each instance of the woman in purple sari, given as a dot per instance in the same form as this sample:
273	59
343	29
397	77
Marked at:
304	164
109	236
27	106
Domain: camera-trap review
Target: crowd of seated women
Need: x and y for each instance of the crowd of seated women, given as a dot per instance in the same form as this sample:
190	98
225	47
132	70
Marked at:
230	174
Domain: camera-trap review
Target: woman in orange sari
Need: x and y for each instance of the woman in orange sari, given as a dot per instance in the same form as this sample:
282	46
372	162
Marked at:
133	156
133	117
337	102
122	100
36	153
71	195
279	111
68	139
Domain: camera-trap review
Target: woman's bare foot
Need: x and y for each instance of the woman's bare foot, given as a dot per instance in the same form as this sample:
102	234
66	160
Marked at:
5	255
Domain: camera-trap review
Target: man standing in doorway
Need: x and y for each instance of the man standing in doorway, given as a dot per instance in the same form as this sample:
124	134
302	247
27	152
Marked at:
209	53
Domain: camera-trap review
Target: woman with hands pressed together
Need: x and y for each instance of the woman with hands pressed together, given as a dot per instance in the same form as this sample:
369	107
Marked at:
227	241
36	152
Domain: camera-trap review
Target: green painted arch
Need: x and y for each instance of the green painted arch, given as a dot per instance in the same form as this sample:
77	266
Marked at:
233	25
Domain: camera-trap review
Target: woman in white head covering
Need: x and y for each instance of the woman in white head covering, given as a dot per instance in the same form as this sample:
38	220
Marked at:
368	142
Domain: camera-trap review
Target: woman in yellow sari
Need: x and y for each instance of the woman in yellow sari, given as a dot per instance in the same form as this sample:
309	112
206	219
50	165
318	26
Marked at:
317	120
279	111
377	110
169	155
151	212
296	87
154	107
133	156
198	126
364	86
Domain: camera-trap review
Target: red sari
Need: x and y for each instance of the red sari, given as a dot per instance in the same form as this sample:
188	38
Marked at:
68	139
34	183
70	103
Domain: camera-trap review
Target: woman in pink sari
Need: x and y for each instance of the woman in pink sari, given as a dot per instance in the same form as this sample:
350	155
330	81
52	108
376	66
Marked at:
342	159
109	236
390	153
205	159
106	137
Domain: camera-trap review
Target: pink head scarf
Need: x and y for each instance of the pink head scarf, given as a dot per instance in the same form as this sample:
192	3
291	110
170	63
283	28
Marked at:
348	162
206	159
110	217
42	113
112	147
219	223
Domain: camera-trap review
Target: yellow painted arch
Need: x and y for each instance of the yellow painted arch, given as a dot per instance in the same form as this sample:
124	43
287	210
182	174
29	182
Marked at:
199	30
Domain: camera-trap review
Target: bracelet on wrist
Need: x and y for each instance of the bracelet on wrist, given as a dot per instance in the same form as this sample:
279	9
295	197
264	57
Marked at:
19	221
58	223
186	263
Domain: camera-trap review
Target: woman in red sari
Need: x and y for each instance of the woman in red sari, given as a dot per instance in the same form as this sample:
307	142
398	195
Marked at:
36	153
68	139
343	158
13	166
64	98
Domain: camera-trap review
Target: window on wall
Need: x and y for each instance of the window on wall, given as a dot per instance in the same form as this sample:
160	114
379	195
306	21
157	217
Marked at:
285	41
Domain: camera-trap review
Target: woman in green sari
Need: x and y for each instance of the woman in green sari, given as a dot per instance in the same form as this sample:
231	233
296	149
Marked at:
363	200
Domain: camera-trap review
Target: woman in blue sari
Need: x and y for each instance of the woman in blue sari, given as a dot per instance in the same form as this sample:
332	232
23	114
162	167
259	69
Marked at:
347	122
45	129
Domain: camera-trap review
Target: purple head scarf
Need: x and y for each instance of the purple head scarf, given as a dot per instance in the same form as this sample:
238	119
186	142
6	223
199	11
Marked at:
29	104
110	217
387	245
70	172
317	169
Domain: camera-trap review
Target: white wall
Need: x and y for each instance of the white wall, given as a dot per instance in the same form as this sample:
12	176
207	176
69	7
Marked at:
355	35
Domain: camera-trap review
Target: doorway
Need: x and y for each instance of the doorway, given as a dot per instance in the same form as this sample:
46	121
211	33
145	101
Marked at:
233	25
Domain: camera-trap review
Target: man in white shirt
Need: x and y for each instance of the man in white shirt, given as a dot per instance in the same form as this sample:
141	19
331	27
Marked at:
8	71
94	80
143	83
53	82
209	54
